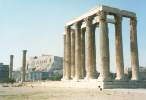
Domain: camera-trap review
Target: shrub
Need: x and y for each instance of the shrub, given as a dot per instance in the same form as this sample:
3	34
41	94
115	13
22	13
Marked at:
129	75
9	80
51	78
57	77
43	78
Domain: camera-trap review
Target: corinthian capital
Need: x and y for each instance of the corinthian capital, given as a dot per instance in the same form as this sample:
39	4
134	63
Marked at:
118	18
24	51
67	29
64	36
133	21
102	14
88	20
78	25
11	56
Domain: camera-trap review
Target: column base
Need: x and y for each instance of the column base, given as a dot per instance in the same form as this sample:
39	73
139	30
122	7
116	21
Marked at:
104	79
120	78
136	79
72	77
63	78
68	78
76	78
88	78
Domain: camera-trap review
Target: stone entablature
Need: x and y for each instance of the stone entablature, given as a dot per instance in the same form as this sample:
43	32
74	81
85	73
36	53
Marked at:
110	10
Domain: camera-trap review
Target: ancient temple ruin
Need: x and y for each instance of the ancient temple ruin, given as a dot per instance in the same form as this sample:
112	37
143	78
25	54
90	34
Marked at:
75	62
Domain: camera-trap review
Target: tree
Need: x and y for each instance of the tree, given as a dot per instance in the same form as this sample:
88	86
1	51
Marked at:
57	77
112	75
43	78
129	75
51	78
8	80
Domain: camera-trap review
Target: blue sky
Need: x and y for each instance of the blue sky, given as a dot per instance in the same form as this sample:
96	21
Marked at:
38	25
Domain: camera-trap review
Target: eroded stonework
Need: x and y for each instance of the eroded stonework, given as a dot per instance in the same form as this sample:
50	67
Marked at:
85	55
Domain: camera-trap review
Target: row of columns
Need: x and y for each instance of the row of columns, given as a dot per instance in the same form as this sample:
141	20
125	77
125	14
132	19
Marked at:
23	66
74	50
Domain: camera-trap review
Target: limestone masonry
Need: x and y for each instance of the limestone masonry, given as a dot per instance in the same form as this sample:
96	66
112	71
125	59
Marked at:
44	63
79	65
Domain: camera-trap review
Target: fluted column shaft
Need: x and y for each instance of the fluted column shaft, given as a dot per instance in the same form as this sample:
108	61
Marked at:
119	47
89	71
134	49
77	51
64	60
68	53
23	65
104	50
83	53
94	51
72	54
11	66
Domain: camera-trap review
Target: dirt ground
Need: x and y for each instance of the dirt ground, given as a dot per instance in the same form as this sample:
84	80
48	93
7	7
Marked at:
60	93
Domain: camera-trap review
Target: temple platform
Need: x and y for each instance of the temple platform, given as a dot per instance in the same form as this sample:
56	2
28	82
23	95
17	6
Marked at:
92	84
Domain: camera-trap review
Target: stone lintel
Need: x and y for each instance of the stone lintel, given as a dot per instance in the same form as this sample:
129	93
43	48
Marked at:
96	20
110	10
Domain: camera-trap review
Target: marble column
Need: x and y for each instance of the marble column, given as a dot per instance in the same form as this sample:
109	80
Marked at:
89	70
119	47
68	52
72	53
77	51
11	66
94	51
83	70
64	61
104	50
134	49
23	65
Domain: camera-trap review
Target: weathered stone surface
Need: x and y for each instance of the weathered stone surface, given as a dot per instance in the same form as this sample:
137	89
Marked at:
104	50
134	49
64	67
83	70
89	67
72	53
119	47
68	52
11	66
94	51
78	51
23	66
110	10
91	22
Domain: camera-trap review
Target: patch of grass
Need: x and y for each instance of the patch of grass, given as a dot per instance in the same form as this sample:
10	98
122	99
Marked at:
19	96
24	96
108	94
2	91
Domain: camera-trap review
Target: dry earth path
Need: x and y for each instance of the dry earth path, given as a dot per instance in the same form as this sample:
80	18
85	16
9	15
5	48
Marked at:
60	93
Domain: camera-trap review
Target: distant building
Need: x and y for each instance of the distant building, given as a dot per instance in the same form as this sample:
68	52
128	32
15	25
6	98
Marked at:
142	72
44	63
36	75
4	71
16	75
27	76
47	75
